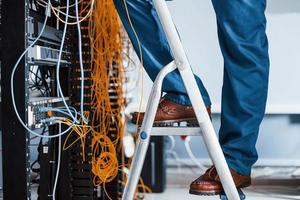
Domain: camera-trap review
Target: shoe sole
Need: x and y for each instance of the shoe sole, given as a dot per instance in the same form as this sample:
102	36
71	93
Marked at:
212	193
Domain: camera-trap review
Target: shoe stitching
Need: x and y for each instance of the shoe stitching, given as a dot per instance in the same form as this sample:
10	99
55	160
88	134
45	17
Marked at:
210	171
168	110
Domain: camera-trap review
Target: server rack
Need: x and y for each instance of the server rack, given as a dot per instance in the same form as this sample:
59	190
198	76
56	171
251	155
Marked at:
76	179
80	174
19	26
14	139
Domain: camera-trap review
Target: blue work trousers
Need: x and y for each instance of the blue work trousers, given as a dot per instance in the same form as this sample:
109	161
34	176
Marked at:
243	42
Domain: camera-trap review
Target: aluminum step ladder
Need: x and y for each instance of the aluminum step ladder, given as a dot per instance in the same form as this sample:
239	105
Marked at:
205	128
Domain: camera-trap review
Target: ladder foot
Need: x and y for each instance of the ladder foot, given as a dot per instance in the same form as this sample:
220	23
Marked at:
242	195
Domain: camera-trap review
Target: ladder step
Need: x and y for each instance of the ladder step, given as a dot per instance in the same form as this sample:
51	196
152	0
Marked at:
182	129
190	123
188	131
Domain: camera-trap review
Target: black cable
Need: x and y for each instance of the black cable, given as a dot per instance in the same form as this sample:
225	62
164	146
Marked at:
45	75
30	3
39	81
39	149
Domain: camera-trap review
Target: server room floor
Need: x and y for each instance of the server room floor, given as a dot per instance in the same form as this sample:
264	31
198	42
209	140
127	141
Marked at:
263	188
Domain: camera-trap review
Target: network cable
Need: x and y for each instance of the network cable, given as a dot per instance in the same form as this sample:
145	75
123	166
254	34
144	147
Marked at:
61	110
55	9
12	81
80	57
58	65
58	163
80	63
190	153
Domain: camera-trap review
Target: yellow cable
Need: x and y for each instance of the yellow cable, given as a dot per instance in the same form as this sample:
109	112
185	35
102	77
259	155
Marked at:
141	60
106	52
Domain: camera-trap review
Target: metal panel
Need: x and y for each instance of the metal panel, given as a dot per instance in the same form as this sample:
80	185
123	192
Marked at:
14	140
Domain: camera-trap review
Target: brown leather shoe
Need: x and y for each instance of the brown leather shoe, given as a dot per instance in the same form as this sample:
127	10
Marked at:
209	183
170	112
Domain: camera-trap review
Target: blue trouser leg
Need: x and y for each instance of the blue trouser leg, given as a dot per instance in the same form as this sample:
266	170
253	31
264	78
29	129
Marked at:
241	30
155	49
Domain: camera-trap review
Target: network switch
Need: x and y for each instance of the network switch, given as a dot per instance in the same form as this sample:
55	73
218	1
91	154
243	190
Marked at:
41	55
38	116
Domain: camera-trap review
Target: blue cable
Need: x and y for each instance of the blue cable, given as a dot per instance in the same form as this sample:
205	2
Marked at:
81	64
12	82
58	63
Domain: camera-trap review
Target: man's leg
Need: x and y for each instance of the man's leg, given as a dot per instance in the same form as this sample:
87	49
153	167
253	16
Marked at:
155	49
243	41
242	38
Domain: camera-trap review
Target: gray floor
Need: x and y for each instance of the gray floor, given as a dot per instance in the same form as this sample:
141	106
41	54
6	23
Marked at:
274	186
264	188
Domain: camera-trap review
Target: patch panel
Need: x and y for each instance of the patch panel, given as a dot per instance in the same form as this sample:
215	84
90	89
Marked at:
38	116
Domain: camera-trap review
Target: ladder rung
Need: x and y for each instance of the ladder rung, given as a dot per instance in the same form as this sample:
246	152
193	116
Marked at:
162	131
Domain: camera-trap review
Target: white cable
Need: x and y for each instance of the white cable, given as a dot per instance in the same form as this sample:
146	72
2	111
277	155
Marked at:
44	4
59	11
12	81
75	120
173	153
80	63
58	163
191	155
172	139
58	65
295	173
78	21
177	160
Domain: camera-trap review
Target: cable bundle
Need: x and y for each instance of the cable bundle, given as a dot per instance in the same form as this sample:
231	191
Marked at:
109	53
106	121
106	39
